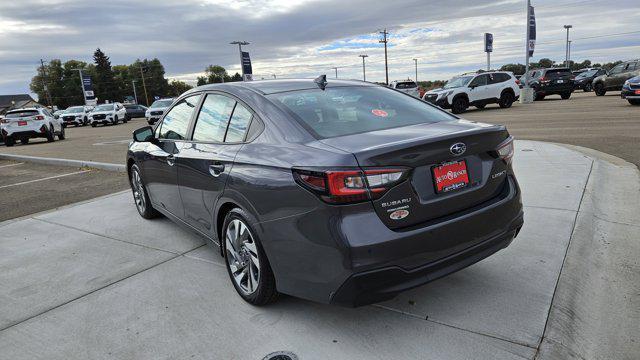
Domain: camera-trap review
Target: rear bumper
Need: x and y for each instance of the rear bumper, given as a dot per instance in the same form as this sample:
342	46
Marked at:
28	131
384	284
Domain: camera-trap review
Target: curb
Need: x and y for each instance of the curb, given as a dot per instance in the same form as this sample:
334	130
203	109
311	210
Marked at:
65	162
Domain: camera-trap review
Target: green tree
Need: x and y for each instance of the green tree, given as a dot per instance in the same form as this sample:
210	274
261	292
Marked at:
545	63
154	80
517	69
103	83
177	87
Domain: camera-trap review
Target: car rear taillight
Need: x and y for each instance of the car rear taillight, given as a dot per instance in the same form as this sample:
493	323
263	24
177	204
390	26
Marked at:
39	117
349	186
517	82
505	150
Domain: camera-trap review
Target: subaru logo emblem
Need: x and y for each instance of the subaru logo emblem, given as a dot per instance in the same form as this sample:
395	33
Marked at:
458	149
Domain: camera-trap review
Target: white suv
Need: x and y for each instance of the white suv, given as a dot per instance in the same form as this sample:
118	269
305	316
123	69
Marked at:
406	86
27	123
155	111
76	115
477	89
110	113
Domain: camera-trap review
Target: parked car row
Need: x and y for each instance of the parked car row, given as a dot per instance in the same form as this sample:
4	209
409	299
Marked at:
83	115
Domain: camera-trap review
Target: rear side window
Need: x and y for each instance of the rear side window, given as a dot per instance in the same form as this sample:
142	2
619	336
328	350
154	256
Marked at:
500	77
176	122
19	114
350	110
238	125
213	118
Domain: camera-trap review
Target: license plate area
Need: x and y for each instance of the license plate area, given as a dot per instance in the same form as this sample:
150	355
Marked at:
450	176
22	123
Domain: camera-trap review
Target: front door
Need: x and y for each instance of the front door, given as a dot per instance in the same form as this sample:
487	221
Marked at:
478	88
205	162
160	171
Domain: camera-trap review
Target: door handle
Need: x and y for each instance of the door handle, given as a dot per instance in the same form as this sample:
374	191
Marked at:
171	160
216	169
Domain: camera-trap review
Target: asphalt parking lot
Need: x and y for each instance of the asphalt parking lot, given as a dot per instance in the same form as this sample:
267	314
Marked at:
27	188
95	280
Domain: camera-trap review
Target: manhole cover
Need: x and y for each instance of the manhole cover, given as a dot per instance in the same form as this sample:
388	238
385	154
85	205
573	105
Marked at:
281	355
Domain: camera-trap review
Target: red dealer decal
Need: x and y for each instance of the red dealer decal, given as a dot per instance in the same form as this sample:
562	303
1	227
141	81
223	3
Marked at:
378	112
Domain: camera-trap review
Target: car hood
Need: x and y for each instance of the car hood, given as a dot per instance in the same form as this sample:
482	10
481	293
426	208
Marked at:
157	109
437	91
634	80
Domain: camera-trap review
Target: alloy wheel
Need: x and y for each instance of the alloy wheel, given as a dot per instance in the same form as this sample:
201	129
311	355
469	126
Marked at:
138	191
242	256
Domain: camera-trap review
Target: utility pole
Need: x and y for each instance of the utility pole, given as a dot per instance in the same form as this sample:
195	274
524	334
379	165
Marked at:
567	47
336	69
82	85
364	74
386	65
416	62
239	43
144	85
45	86
569	55
135	95
526	94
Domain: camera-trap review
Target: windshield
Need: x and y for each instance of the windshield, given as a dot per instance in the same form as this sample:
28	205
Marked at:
458	81
161	103
74	110
350	110
104	107
586	74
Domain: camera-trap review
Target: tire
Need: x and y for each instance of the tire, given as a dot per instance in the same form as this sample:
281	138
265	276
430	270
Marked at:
587	87
565	95
126	118
85	121
115	120
61	135
94	124
9	141
634	102
506	99
482	106
51	135
599	89
24	141
459	105
538	97
245	258
140	195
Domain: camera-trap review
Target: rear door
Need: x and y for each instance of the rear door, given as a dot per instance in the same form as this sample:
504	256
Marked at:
206	160
159	169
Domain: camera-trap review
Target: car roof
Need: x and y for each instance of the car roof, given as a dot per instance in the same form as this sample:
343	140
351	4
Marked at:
266	87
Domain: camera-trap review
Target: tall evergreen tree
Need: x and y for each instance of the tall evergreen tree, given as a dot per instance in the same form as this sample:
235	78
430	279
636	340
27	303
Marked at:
104	82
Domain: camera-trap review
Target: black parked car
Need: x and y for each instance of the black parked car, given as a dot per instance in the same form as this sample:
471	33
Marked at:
342	192
554	81
135	111
584	80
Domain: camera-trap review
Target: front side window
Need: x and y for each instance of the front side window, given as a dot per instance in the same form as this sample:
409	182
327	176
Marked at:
238	125
458	81
481	80
176	121
213	118
350	110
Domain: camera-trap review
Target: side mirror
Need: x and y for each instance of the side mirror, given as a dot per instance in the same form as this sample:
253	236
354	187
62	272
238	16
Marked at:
144	134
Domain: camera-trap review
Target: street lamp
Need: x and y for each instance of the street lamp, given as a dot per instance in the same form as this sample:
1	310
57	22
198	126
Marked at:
84	96
364	74
336	69
416	62
567	47
239	43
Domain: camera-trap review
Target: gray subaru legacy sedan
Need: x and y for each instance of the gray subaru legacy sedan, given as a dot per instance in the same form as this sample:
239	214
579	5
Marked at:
340	192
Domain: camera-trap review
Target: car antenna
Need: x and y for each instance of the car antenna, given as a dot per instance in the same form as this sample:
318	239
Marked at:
321	81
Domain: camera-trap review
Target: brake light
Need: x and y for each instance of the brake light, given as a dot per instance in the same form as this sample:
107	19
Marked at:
506	150
349	186
39	117
517	82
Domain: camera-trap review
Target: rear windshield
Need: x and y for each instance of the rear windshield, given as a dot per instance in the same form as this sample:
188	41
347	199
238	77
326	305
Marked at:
406	85
350	110
19	114
558	73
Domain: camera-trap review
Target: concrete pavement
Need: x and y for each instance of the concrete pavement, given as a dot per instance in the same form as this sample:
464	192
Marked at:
96	281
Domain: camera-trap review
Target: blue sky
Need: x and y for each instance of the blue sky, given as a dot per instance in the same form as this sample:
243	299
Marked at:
305	38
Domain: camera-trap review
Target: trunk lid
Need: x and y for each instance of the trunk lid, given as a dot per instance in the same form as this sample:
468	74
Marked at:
421	148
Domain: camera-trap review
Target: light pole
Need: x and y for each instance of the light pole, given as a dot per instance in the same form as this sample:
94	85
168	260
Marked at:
416	62
569	55
364	74
336	69
239	43
567	48
384	41
135	95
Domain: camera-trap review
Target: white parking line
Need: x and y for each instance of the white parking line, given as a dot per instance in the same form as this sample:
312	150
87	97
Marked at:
43	179
8	165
